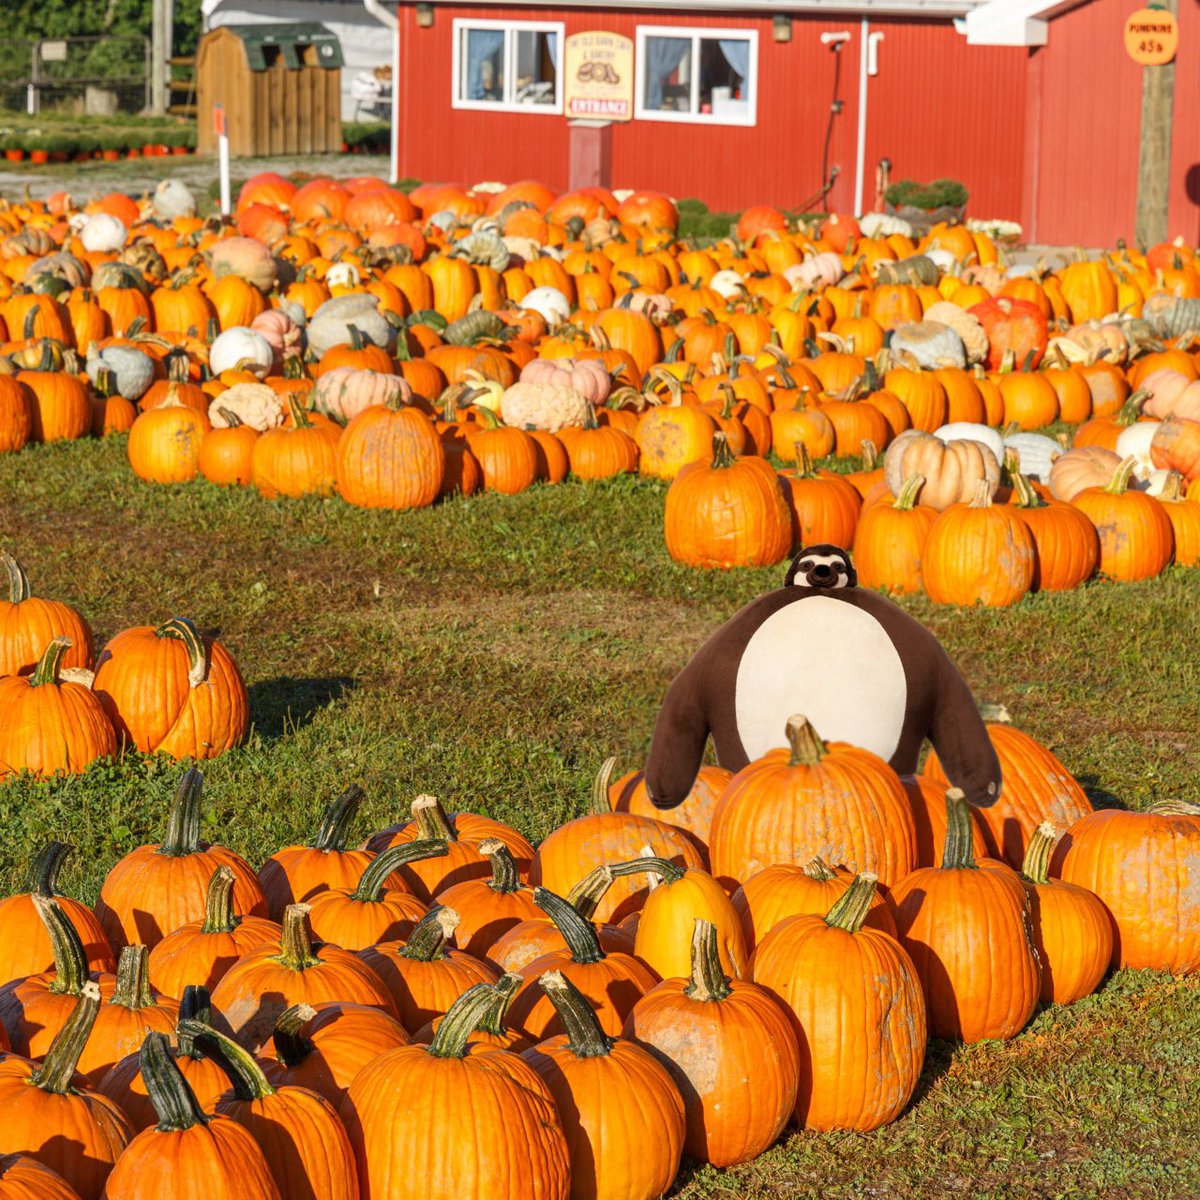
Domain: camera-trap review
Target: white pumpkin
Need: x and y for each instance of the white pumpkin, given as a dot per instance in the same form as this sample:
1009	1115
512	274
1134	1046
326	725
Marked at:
243	347
132	368
102	233
932	343
727	284
172	199
875	225
549	303
970	332
944	260
1036	454
342	275
1155	483
330	324
968	431
1135	440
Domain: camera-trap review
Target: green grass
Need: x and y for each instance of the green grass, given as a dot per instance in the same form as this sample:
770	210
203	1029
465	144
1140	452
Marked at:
494	650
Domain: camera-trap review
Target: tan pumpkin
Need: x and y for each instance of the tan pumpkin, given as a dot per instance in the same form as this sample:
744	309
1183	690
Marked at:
952	470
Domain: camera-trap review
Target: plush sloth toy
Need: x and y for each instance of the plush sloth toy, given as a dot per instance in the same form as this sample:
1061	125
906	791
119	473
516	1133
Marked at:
857	666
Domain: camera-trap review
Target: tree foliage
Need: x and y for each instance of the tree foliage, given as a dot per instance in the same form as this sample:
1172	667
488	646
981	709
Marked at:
35	19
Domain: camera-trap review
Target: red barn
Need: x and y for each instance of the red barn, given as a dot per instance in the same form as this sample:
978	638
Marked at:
1035	106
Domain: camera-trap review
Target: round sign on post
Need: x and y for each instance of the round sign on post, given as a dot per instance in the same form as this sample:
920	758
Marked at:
1152	36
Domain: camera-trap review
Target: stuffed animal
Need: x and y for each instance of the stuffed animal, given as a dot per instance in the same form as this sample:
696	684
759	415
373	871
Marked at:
857	666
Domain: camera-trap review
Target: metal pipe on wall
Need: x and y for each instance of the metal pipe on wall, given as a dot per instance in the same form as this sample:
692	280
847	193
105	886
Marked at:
860	153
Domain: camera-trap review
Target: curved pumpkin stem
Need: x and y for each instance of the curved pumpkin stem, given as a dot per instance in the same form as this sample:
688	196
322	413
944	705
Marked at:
586	895
183	629
723	456
1036	864
194	1005
291	1046
851	908
1026	496
584	1036
433	824
133	979
983	495
505	879
229	416
454	1032
1173	489
576	930
600	786
42	877
708	980
651	864
295	943
818	869
50	663
370	883
807	748
70	957
959	852
219	916
249	1082
183	823
504	991
173	1099
1174	808
58	1067
18	581
334	833
909	491
1119	483
427	942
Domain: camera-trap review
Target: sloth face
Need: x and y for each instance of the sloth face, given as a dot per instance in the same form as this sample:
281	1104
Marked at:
821	567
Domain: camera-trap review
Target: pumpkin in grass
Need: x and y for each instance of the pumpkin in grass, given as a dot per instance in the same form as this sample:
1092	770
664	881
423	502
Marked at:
1072	931
795	427
967	927
227	454
73	1130
390	456
596	451
1184	515
17	403
25	946
187	1155
614	1091
259	986
1035	787
978	553
488	908
731	1050
62	409
499	1101
785	890
889	540
1136	535
1066	546
811	798
323	1046
855	999
159	887
24	1178
172	690
670	436
1143	867
164	443
296	460
823	506
51	726
507	457
628	794
298	1130
201	951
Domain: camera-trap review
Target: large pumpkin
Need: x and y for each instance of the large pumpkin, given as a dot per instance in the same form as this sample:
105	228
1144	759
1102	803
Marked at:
390	456
952	471
28	624
1136	535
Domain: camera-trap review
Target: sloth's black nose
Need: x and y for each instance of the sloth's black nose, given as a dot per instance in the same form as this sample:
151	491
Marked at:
821	574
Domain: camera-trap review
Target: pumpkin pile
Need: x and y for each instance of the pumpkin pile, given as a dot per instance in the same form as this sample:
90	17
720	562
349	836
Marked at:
777	954
343	338
168	689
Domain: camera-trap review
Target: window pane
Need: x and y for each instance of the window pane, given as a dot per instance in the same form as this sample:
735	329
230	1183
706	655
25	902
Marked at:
724	76
535	67
482	65
667	74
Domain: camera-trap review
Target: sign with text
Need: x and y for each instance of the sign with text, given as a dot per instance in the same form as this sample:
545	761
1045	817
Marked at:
599	77
1152	36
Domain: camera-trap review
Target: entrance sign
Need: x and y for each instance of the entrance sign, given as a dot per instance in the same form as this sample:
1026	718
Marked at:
598	83
1152	36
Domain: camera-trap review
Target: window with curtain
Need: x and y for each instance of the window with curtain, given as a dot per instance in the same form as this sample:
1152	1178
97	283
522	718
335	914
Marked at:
507	66
697	75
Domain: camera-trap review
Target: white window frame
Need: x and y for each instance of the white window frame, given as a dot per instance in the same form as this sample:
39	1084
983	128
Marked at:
696	34
511	29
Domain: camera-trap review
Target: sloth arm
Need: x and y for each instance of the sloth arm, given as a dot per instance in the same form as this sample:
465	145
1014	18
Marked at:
680	732
961	740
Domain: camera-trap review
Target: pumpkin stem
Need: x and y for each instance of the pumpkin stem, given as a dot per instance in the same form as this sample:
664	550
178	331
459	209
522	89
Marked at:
850	909
50	663
54	1075
506	879
709	981
170	1094
229	416
334	833
1131	410
1172	490
183	823
983	495
371	881
1174	808
70	958
818	869
584	1036
600	786
427	942
433	824
183	629
219	916
722	455
504	991
807	747
291	1047
462	1019
295	943
1026	496
586	895
870	455
651	864
909	491
18	581
249	1082
1119	483
804	466
1036	865
959	852
42	877
299	413
577	931
194	1005
133	979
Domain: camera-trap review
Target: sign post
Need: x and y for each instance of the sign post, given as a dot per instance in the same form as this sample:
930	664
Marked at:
597	91
1151	39
222	131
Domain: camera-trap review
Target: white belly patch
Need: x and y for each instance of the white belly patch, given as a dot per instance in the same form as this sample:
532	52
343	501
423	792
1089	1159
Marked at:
830	662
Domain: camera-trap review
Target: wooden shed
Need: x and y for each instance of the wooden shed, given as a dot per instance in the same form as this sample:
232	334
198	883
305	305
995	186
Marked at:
280	86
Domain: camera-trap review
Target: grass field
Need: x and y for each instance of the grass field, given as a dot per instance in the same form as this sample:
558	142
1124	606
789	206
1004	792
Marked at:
494	650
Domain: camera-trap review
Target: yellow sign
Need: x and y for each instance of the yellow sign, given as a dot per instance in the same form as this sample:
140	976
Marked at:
599	77
1152	36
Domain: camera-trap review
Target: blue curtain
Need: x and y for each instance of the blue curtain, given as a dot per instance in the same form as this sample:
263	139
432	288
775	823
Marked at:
552	48
663	56
737	55
482	44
